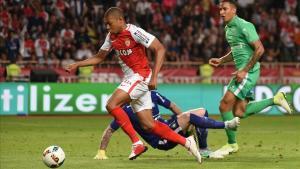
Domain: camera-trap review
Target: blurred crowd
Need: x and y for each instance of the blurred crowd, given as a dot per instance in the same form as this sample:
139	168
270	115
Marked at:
57	32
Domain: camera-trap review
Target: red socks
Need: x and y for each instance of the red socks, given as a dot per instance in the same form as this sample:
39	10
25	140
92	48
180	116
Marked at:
160	129
163	131
124	122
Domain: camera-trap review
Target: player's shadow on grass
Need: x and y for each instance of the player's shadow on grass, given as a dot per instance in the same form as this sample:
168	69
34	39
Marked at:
160	158
163	158
241	159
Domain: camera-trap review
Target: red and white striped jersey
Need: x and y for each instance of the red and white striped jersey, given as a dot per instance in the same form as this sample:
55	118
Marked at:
130	49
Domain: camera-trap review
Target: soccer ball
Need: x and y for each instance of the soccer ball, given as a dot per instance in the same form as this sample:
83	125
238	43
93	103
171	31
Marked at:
53	156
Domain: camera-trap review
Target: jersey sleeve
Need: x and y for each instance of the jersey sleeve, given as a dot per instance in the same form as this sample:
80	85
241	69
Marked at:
141	36
250	33
162	100
107	43
114	125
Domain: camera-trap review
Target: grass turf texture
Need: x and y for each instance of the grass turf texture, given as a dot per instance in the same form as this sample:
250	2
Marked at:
265	142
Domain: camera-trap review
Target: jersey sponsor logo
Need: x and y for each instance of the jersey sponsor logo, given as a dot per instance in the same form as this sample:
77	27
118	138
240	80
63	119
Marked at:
141	36
124	52
127	42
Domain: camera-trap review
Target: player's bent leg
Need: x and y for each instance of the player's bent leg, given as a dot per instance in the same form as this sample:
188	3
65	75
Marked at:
255	107
197	117
202	123
281	100
201	135
158	128
205	122
183	120
227	102
226	106
139	148
118	98
163	131
239	108
146	120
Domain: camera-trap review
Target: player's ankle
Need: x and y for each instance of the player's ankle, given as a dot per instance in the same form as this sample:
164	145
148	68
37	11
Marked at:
187	143
138	142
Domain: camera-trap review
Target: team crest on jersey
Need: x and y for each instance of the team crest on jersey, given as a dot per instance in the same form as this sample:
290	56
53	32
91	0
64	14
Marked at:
127	42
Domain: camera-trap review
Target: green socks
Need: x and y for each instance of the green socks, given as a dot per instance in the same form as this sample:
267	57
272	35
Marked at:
251	109
256	107
231	134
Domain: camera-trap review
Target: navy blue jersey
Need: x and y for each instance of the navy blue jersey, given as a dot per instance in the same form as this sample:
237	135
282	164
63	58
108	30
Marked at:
158	99
151	139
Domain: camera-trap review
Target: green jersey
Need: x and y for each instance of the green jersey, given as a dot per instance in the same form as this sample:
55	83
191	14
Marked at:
239	34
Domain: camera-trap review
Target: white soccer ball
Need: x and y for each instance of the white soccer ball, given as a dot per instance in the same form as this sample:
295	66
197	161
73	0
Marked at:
53	156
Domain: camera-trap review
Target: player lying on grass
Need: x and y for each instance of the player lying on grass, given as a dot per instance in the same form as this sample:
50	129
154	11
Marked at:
179	122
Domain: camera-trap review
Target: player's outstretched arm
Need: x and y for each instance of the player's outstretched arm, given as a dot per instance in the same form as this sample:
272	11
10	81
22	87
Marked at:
218	61
165	102
106	137
159	51
101	154
96	59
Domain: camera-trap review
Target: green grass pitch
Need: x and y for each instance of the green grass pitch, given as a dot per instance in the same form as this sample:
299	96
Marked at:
266	142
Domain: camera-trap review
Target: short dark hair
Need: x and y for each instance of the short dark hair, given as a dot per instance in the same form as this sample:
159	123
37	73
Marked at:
232	2
114	11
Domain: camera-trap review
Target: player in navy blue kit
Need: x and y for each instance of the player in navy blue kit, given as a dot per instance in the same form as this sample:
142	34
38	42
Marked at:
179	122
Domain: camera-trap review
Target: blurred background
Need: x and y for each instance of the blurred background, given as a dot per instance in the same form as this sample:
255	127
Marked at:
39	37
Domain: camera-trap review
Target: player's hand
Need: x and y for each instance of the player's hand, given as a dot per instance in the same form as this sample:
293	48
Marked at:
101	155
152	84
240	75
71	67
215	62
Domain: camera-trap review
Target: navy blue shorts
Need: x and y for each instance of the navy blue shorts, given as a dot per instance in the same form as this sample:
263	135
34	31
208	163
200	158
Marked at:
173	124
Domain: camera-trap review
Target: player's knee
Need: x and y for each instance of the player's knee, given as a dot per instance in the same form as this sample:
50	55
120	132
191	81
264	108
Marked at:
148	126
224	106
186	116
239	114
110	107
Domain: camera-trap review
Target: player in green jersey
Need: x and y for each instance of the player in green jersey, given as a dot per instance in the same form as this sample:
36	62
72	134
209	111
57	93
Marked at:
246	50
